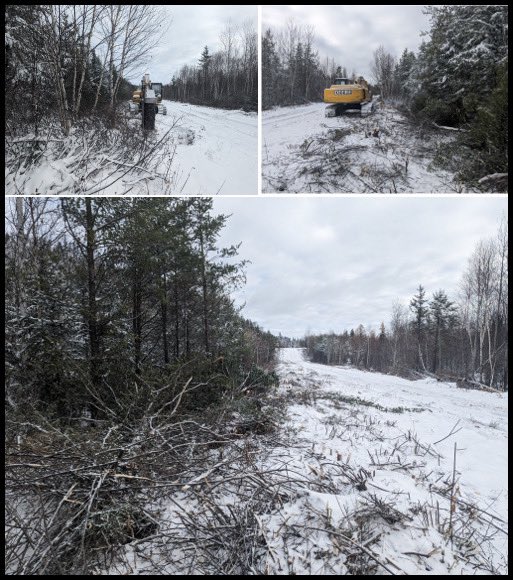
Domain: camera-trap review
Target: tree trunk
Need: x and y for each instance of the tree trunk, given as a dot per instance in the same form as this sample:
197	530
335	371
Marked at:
85	62
435	350
163	318
204	287
137	319
177	320
21	244
59	74
187	336
100	81
92	312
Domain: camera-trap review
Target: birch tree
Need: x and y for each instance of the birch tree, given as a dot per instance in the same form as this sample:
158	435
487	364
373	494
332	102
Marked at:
382	69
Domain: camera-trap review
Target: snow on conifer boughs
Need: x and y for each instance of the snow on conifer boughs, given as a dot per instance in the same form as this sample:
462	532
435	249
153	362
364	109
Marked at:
467	44
113	293
459	79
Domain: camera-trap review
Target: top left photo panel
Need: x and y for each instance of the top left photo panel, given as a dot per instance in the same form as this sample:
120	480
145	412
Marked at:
131	100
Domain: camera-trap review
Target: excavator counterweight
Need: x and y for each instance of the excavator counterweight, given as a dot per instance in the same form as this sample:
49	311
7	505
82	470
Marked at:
346	94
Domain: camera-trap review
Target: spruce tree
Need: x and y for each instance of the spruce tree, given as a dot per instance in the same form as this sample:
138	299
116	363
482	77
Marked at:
419	307
442	317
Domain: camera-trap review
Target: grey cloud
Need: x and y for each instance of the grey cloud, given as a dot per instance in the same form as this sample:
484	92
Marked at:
192	27
350	34
333	263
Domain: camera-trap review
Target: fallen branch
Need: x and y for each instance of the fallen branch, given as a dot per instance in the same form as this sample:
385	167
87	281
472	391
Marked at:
356	545
445	128
152	173
453	431
494	177
463	382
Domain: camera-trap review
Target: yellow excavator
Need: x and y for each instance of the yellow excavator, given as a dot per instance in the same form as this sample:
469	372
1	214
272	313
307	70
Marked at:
136	104
346	94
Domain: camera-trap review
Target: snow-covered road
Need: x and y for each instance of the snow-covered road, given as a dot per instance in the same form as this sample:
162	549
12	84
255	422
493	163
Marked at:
303	151
216	149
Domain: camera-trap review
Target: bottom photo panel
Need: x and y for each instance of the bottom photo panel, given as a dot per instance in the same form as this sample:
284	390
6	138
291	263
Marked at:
255	385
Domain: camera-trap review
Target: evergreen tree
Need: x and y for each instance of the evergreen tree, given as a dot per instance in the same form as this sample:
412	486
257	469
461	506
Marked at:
270	71
404	75
204	64
204	61
419	307
442	317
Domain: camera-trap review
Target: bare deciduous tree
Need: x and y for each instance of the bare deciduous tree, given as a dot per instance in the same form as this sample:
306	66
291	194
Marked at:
382	69
132	32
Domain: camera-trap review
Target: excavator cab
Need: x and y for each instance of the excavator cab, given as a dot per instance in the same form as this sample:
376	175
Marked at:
343	82
161	108
157	87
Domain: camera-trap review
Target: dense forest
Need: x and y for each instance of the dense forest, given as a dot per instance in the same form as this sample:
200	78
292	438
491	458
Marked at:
226	78
459	78
292	72
126	364
464	338
103	294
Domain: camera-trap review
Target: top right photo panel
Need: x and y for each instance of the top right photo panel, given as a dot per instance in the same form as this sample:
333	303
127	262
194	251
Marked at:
384	99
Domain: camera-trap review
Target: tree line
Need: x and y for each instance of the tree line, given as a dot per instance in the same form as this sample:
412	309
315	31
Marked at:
106	296
68	61
459	79
292	71
463	339
226	78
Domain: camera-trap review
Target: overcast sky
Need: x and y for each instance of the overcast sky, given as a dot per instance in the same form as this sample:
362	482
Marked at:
350	34
192	27
324	264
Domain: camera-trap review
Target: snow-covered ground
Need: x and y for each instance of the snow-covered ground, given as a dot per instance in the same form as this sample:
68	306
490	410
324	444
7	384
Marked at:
397	430
357	481
304	151
216	149
194	151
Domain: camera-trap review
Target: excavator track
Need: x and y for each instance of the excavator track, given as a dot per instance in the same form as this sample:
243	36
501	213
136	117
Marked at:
338	110
367	108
